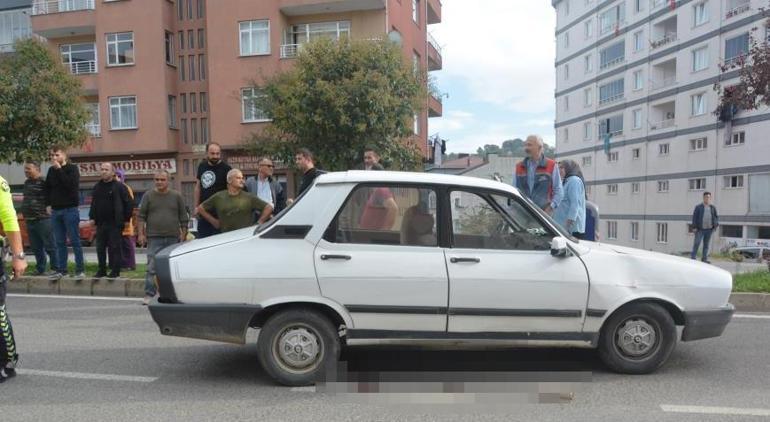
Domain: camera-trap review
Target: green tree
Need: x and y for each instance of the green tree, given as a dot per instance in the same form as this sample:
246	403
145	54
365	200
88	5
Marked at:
340	98
40	104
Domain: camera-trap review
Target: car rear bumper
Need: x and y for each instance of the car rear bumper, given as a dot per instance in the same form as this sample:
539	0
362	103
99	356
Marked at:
218	322
706	324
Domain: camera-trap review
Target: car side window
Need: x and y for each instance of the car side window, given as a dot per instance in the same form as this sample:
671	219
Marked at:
495	222
386	215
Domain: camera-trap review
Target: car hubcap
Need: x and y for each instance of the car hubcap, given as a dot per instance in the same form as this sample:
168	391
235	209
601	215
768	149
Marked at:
636	338
298	348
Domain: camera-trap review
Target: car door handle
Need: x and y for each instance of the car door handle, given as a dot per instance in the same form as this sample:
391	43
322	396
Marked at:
328	257
454	260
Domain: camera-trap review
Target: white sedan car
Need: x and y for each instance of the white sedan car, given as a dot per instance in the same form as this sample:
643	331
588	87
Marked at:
377	255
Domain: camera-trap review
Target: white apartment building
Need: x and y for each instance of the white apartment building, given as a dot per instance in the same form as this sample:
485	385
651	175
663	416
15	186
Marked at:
641	74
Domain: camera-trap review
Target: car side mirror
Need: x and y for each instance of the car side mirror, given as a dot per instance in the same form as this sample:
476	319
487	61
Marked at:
559	247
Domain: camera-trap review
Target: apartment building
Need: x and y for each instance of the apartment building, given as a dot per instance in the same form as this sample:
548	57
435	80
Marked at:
163	78
635	107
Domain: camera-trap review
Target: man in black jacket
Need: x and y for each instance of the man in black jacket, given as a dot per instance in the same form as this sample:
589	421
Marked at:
704	221
305	162
111	208
62	187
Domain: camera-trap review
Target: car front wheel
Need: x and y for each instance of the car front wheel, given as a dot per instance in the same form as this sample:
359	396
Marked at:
297	346
637	339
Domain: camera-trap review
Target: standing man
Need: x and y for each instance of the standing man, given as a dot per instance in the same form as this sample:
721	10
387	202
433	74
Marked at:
305	163
704	221
212	178
8	355
62	185
128	241
162	222
234	207
33	208
111	208
537	177
266	188
371	160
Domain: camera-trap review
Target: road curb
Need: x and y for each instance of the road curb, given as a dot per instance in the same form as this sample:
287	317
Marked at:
751	302
121	287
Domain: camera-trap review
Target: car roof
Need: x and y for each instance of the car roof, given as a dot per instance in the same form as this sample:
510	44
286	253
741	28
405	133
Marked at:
362	176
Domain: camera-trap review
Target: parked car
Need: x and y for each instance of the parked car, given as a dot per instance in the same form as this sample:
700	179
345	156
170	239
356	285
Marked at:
87	232
365	256
754	253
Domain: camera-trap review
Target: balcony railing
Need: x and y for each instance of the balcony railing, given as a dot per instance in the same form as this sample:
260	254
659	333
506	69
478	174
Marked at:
612	63
434	43
666	39
663	124
664	83
45	7
615	26
610	100
738	10
734	61
95	129
289	51
82	68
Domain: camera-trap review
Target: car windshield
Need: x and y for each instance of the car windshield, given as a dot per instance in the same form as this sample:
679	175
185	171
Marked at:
562	231
262	227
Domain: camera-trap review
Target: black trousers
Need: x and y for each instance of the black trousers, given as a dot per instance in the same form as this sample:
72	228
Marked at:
109	238
8	355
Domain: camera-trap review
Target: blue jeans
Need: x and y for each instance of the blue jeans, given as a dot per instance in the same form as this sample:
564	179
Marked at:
705	237
154	245
65	225
41	240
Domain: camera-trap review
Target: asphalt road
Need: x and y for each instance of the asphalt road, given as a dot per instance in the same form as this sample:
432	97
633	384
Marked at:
87	359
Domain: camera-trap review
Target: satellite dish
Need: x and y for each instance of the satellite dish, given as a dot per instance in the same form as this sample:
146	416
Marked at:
395	37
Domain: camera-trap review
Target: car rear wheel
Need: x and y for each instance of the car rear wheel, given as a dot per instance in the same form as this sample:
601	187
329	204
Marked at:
637	339
296	347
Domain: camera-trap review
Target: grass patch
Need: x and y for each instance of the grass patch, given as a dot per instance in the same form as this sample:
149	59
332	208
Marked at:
755	282
92	267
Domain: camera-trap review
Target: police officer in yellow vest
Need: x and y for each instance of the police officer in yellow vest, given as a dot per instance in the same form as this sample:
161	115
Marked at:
8	355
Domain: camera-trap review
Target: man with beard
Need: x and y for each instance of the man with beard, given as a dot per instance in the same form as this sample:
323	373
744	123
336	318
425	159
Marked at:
306	164
212	178
111	209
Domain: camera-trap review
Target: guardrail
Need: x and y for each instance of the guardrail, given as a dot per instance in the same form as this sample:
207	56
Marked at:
610	100
663	124
289	51
666	39
432	41
94	129
738	10
612	63
45	7
80	68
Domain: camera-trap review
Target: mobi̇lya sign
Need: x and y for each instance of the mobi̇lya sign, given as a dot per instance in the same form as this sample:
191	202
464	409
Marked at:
132	167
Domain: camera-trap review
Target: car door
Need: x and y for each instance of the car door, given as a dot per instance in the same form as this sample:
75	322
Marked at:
380	259
502	276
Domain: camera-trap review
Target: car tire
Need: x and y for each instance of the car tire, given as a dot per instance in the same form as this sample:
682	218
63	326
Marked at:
298	347
637	339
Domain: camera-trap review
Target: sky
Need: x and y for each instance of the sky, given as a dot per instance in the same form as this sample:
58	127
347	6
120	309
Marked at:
498	72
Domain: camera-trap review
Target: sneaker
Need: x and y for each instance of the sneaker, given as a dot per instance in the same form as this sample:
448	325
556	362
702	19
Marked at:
146	300
56	276
10	372
100	274
80	276
114	274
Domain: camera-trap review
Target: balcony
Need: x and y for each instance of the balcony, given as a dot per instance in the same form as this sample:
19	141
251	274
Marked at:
82	68
63	18
435	62
663	116
663	124
316	7
435	107
95	129
666	39
434	11
738	9
290	51
611	100
663	83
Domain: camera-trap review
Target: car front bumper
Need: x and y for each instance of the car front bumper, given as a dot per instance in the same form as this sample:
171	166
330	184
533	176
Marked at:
218	322
707	323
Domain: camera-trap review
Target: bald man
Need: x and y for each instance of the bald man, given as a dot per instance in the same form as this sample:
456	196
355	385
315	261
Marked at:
111	209
537	177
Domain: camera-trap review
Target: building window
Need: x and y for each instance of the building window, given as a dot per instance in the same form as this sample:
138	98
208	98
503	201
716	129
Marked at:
120	48
612	230
183	100
201	38
172	112
638	80
635	187
738	138
180	9
663	149
662	232
189	9
191	63
255	37
736	48
193	103
94	125
587	131
613	157
588	97
183	124
194	130
416	127
700	13
566	39
169	48
634	231
636	153
588	28
698	104
186	167
588	63
416	11
181	68
698	144
204	102
697	184
612	189
566	72
205	131
191	39
566	102
612	91
200	9
732	231
637	117
587	161
700	59
612	55
123	112
250	111
639	5
180	35
611	126
79	58
612	19
566	134
201	67
663	186
638	41
733	182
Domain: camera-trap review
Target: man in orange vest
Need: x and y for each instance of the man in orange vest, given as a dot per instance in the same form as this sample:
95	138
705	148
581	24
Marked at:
537	177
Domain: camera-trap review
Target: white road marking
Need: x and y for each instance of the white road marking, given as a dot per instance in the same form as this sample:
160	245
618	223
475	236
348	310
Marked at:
310	389
85	376
752	316
712	410
34	296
